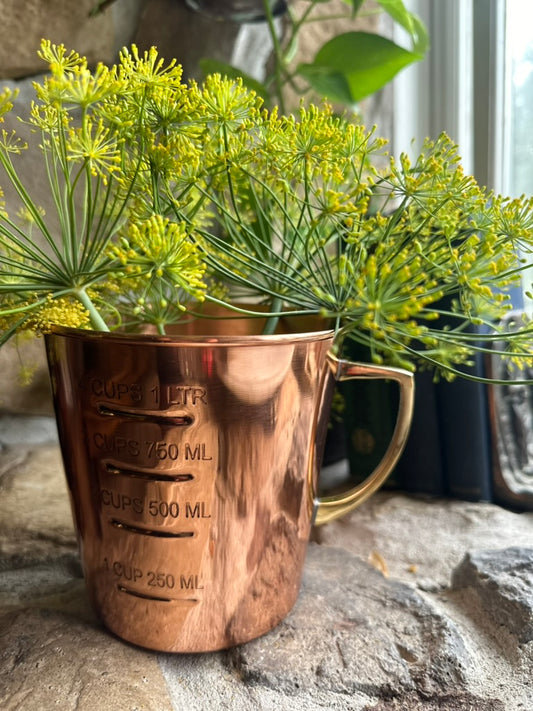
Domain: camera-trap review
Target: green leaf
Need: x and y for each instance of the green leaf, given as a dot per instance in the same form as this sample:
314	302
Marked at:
409	21
213	66
355	4
421	37
354	65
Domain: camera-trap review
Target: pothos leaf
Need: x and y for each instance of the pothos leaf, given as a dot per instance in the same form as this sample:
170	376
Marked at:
409	21
354	65
355	4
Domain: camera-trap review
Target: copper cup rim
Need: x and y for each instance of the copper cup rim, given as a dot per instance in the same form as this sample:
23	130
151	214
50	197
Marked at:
191	340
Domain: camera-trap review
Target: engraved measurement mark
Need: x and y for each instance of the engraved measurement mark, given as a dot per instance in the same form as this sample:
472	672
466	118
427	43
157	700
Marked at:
150	531
150	476
180	395
156	450
156	508
147	416
113	390
168	583
168	394
156	598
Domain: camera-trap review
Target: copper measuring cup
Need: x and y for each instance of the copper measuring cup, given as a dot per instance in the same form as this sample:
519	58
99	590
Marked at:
192	465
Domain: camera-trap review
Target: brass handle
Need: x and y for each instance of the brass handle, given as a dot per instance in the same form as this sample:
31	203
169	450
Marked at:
328	508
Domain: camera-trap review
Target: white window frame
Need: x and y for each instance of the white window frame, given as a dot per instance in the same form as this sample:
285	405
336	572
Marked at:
462	87
457	87
491	96
437	93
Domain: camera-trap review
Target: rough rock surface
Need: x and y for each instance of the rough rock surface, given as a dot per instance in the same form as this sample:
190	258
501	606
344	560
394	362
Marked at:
354	631
423	638
34	398
503	580
423	539
23	24
50	659
94	35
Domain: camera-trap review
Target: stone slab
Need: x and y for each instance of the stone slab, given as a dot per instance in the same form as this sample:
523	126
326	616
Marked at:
17	430
35	517
50	660
464	702
355	631
503	580
356	639
420	540
62	21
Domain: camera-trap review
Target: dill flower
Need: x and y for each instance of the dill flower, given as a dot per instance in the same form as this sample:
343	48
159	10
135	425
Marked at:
77	85
6	101
226	104
61	311
58	58
96	146
158	250
147	69
11	143
167	193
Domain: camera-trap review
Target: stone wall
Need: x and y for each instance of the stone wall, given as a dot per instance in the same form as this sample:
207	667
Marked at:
96	36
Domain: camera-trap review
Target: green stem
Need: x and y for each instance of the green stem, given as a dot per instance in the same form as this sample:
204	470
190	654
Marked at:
278	55
272	321
96	319
248	312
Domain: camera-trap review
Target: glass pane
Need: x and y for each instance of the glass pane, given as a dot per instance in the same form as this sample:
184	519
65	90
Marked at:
519	49
519	94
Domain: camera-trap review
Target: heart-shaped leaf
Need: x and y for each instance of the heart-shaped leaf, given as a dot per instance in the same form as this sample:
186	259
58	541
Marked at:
354	65
410	22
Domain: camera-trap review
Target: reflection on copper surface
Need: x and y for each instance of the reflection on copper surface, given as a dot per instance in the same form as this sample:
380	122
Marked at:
192	466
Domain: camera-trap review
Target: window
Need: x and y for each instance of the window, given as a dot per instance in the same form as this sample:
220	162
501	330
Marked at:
517	163
477	85
518	168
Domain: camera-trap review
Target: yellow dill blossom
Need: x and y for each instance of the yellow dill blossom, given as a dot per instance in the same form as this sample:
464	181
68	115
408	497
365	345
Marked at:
11	143
49	119
27	217
82	87
226	104
6	101
515	219
158	250
164	156
147	69
63	311
25	374
167	107
57	58
71	83
8	320
310	145
97	146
